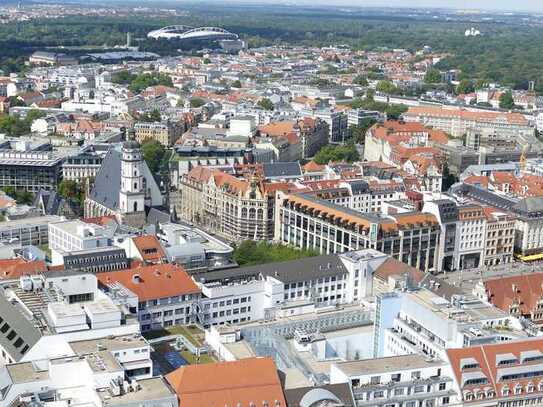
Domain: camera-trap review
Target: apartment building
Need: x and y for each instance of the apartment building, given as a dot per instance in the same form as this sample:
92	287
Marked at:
28	231
470	243
359	195
499	237
502	374
73	236
287	288
160	295
309	223
398	381
80	167
528	213
446	212
458	122
235	208
30	171
435	318
165	133
313	133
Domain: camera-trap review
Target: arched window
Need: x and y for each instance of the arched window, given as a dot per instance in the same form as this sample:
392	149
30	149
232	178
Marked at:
135	185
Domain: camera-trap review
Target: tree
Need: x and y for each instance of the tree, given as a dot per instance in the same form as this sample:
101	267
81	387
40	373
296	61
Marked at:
506	100
465	86
432	76
22	196
250	252
153	152
236	84
197	102
358	132
347	152
206	61
144	80
386	87
266	104
360	80
395	111
448	179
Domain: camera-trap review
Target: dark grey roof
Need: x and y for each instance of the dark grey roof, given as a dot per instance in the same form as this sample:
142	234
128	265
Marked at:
359	187
108	181
282	169
17	322
483	196
448	210
158	215
302	395
529	205
288	271
131	145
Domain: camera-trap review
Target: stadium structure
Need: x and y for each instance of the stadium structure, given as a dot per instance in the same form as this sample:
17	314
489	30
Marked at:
184	32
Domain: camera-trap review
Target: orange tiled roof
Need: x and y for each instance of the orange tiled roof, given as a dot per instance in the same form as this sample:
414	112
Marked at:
511	118
276	129
312	166
238	383
15	268
152	282
149	248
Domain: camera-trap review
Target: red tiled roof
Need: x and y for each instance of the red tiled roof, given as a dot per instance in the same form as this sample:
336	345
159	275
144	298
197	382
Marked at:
231	384
15	268
152	282
526	290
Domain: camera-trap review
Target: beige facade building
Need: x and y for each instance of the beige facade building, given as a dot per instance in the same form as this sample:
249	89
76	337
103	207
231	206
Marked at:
165	133
500	237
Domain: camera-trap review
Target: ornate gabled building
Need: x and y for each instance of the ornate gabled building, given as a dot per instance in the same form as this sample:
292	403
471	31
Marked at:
234	208
124	187
520	295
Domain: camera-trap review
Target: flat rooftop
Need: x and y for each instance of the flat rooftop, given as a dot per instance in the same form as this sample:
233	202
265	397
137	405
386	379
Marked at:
386	365
27	372
110	344
155	388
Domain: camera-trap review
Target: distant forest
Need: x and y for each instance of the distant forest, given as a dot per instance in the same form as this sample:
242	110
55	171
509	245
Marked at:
510	53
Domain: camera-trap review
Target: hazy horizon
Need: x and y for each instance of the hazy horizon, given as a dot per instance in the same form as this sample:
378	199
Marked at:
498	5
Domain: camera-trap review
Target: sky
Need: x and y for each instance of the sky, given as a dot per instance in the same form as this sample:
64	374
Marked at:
509	5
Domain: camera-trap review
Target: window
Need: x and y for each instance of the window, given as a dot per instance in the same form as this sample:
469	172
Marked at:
445	400
378	394
399	391
396	377
415	375
375	380
442	386
418	389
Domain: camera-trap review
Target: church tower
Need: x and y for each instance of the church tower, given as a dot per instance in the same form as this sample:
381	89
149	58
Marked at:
132	192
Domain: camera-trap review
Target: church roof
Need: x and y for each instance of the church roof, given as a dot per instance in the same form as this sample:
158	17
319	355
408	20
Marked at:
108	181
